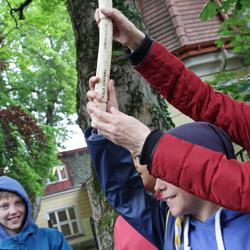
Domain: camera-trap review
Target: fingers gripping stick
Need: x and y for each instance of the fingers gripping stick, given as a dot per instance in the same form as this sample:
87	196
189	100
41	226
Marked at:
104	53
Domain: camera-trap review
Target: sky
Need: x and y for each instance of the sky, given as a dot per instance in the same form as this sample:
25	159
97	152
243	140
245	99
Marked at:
76	139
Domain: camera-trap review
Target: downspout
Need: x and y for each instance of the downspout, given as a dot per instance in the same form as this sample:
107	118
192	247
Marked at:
224	59
223	50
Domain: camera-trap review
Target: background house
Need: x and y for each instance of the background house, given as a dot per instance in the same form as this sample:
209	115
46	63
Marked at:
66	205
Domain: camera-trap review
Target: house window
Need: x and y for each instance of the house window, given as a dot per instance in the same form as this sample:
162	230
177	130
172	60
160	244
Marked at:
59	173
65	220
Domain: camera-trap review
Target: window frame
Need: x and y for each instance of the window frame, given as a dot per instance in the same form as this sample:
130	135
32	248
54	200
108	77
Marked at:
69	221
58	174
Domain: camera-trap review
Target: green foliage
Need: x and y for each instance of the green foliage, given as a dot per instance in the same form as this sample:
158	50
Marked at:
37	73
161	111
209	10
27	151
40	58
236	26
233	85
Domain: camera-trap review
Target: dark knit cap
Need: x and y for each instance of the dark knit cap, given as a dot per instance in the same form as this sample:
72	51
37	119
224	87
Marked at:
206	135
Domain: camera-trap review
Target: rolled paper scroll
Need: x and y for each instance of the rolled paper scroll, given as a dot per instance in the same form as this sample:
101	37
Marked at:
104	53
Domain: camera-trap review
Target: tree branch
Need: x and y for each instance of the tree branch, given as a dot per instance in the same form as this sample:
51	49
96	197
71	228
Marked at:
18	10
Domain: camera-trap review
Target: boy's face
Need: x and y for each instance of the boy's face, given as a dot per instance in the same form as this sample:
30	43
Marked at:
12	213
179	202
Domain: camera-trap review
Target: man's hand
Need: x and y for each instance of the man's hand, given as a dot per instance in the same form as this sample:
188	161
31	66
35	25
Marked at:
114	125
124	31
118	127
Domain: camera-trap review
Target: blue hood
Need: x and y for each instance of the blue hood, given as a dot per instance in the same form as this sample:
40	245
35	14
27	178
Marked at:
11	185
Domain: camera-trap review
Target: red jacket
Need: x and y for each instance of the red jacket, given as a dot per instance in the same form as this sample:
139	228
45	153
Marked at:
193	168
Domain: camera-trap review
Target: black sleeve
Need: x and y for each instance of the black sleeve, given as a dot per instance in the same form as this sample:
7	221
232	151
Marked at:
149	147
140	53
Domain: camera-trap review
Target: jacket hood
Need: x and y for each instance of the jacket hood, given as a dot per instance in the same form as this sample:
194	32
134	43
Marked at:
206	135
11	185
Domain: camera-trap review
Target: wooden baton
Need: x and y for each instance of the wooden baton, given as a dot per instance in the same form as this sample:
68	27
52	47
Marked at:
104	53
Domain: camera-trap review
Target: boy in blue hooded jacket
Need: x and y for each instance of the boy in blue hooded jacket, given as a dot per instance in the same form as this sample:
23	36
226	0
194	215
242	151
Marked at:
179	220
17	231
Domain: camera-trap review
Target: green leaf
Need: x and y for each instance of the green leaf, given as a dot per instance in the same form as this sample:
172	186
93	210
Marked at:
209	11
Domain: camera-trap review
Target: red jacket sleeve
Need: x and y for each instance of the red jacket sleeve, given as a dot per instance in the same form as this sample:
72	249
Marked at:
198	100
203	172
193	168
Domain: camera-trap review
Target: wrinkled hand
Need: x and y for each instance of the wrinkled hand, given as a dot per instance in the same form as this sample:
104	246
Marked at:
114	125
124	31
118	127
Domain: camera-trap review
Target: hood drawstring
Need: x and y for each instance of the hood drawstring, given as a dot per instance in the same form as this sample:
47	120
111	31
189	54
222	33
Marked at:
178	232
186	229
218	234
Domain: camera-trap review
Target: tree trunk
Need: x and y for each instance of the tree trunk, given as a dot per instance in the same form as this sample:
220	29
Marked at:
135	97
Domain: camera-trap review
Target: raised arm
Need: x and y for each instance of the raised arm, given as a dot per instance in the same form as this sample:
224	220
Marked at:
188	93
124	189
